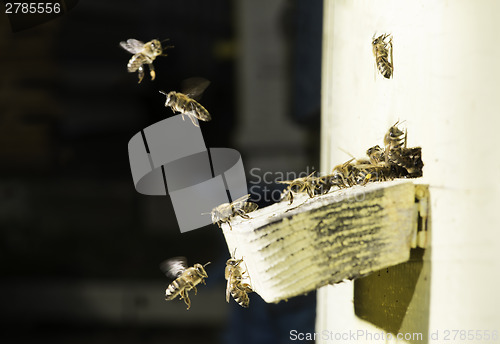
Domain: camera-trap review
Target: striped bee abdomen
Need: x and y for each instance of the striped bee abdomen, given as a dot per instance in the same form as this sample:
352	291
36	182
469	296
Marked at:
135	62
173	290
241	297
384	66
382	50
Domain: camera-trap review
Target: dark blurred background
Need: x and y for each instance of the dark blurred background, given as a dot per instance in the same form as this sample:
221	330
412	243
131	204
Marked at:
79	247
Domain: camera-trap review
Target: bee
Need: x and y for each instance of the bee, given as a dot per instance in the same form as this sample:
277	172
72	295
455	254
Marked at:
382	50
373	172
375	154
408	161
186	103
224	212
343	175
322	184
185	279
144	53
395	161
299	185
234	276
394	138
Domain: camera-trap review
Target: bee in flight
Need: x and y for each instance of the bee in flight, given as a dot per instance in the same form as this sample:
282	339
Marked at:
224	212
186	103
235	287
185	279
144	54
382	50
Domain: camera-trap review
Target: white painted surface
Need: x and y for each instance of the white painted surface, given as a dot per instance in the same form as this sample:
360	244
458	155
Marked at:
446	87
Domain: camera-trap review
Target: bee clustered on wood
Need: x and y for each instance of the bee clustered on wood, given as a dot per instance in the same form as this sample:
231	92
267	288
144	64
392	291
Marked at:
393	161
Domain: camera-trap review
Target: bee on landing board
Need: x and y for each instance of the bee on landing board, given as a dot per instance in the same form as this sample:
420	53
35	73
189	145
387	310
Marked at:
382	50
226	211
186	103
144	54
234	275
375	154
299	185
185	279
395	138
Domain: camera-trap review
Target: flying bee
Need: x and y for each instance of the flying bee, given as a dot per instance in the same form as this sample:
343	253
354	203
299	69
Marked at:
186	102
235	287
185	279
144	54
226	211
382	50
299	185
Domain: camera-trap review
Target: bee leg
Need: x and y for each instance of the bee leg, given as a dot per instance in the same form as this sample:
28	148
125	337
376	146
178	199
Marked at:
152	71
192	118
310	191
195	290
185	296
242	213
140	72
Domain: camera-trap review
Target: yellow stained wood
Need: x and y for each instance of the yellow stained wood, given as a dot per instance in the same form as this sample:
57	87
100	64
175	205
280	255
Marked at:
290	250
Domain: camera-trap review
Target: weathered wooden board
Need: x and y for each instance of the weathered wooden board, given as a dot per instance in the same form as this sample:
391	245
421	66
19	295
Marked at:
290	250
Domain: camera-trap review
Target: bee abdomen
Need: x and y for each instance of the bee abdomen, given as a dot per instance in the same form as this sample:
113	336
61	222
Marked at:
135	62
241	298
384	66
172	290
248	207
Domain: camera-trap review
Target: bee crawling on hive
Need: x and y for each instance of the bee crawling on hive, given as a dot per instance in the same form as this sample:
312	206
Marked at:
185	279
395	161
235	287
299	185
382	50
185	102
226	211
395	138
144	54
382	164
375	154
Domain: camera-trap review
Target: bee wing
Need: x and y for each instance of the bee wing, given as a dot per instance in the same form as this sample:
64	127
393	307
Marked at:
228	287
199	112
174	267
194	87
132	45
